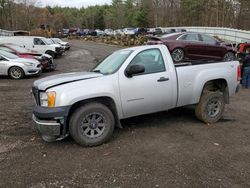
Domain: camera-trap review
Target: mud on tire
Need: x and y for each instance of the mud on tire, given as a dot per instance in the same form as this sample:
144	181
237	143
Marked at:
211	107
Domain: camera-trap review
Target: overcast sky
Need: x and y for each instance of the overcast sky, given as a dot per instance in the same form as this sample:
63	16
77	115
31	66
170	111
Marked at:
73	3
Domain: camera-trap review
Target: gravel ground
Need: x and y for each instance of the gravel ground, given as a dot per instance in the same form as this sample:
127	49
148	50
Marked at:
168	149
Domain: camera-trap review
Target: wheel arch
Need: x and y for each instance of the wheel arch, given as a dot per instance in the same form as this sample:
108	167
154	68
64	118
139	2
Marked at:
220	85
50	52
8	71
107	101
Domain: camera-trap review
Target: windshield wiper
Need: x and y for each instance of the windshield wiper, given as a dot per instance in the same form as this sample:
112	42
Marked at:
97	71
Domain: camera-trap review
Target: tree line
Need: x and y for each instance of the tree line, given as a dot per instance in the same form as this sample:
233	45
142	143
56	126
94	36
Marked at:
26	15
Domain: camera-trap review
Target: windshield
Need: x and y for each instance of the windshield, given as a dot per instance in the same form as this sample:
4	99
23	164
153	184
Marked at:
57	40
110	64
48	41
17	48
8	55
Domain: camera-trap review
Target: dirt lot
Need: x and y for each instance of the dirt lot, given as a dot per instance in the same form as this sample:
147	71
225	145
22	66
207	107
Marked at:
168	149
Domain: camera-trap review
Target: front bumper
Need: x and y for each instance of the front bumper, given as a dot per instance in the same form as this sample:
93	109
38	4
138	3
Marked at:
51	128
33	71
59	51
51	121
47	66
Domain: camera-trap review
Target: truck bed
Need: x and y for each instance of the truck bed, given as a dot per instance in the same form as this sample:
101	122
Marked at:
195	62
192	76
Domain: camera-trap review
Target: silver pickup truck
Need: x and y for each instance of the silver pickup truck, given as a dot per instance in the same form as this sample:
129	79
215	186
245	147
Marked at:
130	82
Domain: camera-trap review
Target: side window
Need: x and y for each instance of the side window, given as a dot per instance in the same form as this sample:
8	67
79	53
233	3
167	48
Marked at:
183	37
38	41
192	37
151	59
208	39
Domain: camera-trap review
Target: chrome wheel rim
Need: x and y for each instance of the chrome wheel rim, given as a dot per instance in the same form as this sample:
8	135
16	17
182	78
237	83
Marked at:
16	73
178	55
93	125
213	108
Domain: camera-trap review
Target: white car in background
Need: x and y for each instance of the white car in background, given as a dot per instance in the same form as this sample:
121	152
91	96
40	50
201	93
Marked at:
129	31
64	44
40	44
99	32
118	32
16	68
109	32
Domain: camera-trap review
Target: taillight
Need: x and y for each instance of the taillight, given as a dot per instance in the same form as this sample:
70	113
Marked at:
239	73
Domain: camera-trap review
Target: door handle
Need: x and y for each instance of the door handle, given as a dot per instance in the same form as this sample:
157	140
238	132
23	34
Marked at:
162	79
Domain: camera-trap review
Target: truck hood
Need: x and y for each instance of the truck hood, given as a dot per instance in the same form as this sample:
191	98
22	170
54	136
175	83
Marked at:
59	79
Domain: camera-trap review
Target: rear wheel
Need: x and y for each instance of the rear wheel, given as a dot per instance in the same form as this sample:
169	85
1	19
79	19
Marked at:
16	73
229	56
92	124
210	107
178	55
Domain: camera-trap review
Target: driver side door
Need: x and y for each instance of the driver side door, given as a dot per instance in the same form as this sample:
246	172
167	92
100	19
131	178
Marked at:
147	92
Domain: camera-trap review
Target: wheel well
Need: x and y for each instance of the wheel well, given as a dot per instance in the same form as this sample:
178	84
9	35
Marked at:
217	85
49	51
107	101
15	66
231	52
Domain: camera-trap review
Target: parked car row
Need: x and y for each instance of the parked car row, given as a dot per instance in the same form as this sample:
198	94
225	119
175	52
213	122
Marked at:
106	32
185	46
28	55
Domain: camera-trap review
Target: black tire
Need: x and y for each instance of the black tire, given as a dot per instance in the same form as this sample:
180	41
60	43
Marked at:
51	53
16	73
178	55
210	107
229	56
92	124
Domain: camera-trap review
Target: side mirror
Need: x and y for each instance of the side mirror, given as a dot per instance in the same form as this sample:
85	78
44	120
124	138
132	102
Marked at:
134	69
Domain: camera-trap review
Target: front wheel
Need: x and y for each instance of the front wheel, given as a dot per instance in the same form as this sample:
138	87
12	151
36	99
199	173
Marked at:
178	55
92	124
16	73
210	107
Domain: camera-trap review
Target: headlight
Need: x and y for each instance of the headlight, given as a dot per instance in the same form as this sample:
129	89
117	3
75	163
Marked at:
48	99
29	64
